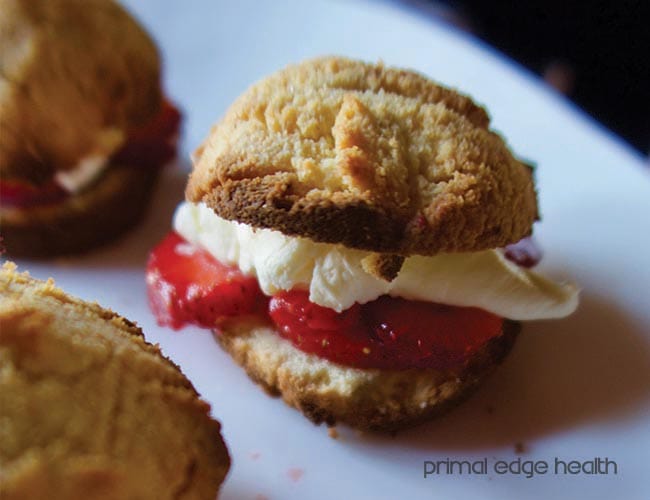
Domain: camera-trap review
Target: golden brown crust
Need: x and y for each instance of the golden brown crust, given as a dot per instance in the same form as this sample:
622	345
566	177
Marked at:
111	206
75	77
371	157
89	409
380	400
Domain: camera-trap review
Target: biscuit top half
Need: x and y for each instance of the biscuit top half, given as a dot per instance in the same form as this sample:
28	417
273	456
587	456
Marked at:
75	76
371	157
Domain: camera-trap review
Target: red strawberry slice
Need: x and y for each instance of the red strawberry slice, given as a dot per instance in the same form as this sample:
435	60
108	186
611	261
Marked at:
339	337
164	124
387	333
420	334
153	144
186	285
14	193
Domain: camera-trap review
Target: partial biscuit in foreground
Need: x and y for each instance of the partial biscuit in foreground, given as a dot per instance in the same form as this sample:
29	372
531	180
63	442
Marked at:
89	409
378	400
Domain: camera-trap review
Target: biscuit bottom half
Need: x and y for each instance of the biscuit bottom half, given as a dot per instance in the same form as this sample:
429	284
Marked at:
112	205
367	399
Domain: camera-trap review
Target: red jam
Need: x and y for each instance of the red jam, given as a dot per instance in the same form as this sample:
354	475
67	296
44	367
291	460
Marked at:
150	146
186	285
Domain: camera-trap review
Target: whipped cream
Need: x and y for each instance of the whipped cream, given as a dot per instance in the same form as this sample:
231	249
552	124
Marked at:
89	168
335	277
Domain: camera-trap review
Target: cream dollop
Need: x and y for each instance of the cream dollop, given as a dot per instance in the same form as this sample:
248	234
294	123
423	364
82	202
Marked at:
90	167
335	277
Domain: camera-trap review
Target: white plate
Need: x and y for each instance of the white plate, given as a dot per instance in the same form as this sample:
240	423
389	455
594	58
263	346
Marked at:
573	389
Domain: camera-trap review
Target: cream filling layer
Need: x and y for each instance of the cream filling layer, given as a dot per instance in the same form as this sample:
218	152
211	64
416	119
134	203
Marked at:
335	277
89	168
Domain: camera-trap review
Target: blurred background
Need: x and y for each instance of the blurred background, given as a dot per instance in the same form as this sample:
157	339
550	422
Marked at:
596	52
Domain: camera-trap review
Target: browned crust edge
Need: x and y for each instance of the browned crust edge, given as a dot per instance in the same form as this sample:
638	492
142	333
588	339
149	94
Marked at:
83	222
265	202
261	202
400	411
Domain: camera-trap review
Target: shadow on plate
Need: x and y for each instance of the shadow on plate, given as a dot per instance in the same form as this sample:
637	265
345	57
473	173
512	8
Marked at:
588	368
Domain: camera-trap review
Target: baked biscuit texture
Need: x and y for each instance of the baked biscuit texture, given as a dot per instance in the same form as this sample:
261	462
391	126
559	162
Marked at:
89	409
75	77
372	157
377	400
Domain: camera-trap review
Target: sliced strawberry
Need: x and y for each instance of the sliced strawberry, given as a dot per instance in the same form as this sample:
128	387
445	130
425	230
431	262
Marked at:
387	333
153	144
186	285
14	193
420	334
164	124
339	337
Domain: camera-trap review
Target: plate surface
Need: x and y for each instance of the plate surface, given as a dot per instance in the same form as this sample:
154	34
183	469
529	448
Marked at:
573	389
